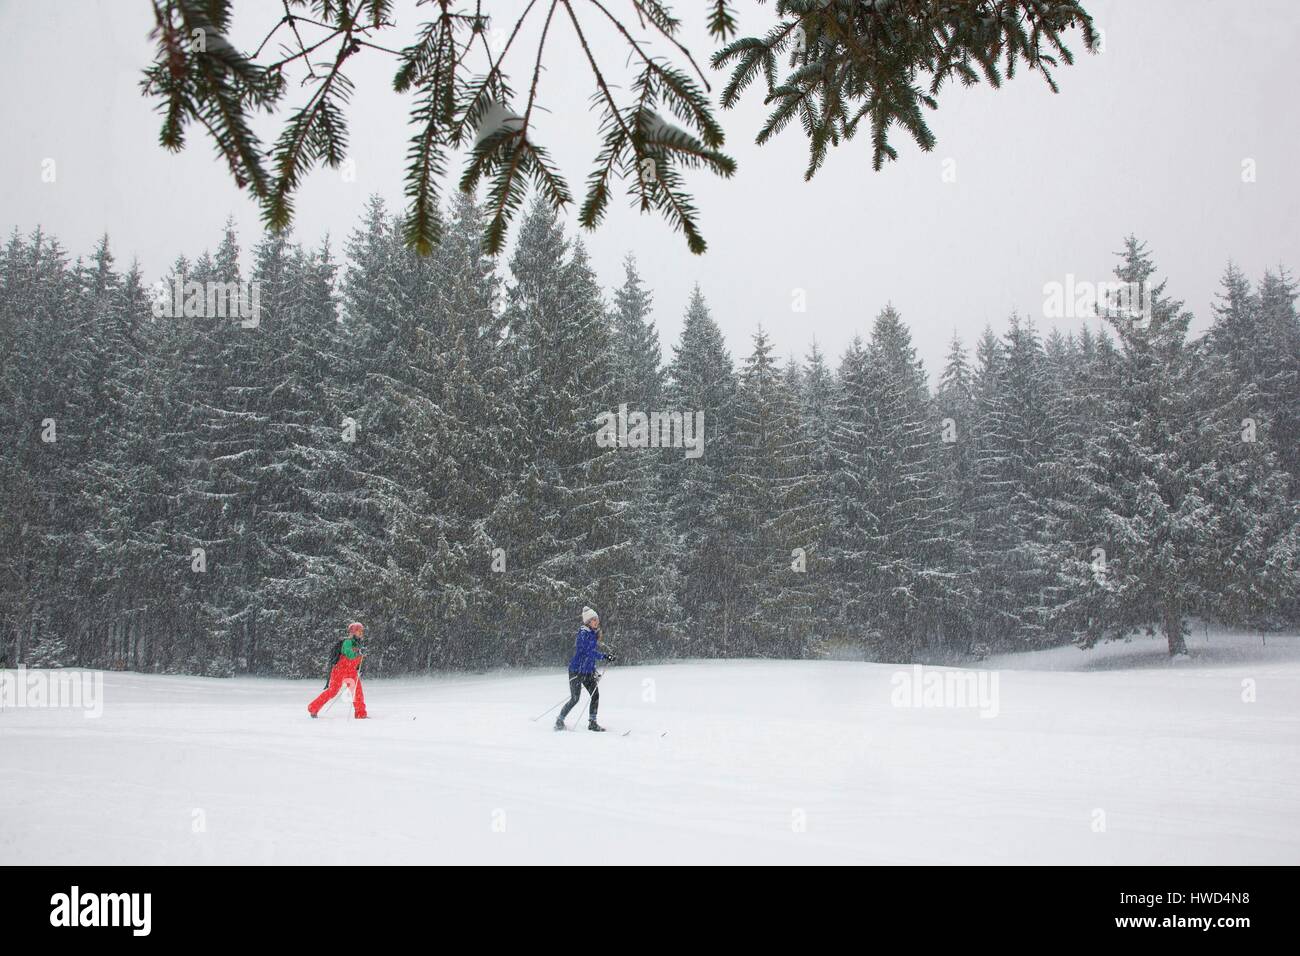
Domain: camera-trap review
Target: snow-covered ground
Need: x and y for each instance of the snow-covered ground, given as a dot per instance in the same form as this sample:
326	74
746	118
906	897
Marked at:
1111	756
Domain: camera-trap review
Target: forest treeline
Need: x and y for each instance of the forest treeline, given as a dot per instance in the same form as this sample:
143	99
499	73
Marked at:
412	442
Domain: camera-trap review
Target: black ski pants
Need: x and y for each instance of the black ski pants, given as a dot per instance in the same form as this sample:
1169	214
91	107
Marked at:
576	683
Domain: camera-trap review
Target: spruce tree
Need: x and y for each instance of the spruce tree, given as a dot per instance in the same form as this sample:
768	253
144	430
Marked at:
651	618
702	380
772	510
819	402
560	531
899	557
1170	485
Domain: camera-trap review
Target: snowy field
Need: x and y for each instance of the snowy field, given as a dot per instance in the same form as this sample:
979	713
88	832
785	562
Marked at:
1113	756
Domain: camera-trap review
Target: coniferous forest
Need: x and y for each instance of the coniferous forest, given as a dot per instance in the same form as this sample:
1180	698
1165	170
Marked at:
412	441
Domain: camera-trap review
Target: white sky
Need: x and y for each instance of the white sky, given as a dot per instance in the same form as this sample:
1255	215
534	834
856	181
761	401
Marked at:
1148	137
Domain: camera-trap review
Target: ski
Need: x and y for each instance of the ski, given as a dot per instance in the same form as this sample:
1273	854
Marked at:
575	729
623	734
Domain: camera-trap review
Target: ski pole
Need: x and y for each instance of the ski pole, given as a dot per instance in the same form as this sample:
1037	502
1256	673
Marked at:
334	698
548	710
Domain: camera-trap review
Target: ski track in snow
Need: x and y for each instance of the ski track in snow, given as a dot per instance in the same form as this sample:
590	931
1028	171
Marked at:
1184	770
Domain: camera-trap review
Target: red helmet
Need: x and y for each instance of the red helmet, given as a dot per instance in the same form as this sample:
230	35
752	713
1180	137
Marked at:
355	629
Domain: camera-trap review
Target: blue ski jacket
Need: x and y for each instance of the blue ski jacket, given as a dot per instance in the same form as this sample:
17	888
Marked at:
585	654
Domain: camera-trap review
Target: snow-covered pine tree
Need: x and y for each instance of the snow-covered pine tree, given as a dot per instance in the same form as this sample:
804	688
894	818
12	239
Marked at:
1279	345
994	613
1017	426
702	379
819	402
1244	383
611	572
55	442
1257	334
901	565
772	510
1180	529
230	410
303	508
650	615
389	415
116	366
1087	380
473	437
955	399
811	508
956	408
563	538
160	448
634	341
39	302
854	525
15	287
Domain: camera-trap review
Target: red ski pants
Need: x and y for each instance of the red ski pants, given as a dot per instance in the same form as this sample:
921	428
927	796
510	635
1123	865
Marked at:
339	676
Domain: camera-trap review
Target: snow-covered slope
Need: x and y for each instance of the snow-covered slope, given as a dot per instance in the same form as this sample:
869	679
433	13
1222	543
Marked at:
1116	756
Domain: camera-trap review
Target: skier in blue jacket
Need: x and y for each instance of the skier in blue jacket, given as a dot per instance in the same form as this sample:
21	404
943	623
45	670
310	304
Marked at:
582	667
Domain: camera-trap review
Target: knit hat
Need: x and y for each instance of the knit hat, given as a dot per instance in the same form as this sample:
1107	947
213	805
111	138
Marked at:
588	615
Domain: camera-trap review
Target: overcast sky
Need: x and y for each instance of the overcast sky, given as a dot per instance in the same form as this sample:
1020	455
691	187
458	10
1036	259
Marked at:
1149	137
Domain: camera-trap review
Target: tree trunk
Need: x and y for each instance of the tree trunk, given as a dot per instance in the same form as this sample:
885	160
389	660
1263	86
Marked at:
1174	629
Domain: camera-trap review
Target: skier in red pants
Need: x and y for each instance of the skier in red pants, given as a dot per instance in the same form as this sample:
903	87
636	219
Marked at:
346	670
